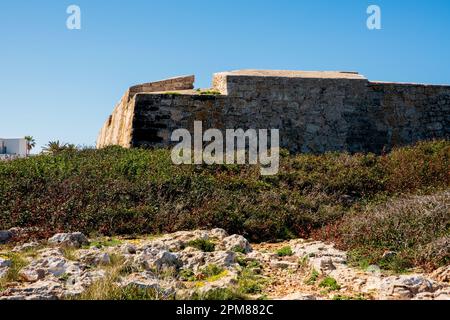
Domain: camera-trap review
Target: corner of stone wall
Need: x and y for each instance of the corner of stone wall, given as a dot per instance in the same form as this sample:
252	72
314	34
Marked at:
117	130
220	82
172	84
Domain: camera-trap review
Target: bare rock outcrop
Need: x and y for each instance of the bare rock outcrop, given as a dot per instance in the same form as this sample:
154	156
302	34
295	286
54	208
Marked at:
199	264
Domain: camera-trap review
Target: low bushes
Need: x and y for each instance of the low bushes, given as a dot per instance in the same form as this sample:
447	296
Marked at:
403	232
120	191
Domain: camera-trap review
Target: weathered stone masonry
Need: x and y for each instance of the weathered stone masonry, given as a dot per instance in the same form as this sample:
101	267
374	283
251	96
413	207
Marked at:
315	111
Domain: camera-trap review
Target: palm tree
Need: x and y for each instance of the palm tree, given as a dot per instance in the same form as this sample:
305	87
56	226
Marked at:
31	143
54	147
70	147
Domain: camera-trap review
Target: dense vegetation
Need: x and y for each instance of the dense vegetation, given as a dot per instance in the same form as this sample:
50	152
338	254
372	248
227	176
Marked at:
397	235
334	196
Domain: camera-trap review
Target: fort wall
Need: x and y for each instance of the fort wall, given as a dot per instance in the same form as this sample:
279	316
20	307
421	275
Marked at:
315	111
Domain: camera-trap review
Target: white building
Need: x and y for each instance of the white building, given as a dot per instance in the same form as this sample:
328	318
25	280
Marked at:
13	147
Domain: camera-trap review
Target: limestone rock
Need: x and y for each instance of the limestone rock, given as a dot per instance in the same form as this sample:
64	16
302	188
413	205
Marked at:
442	274
95	258
442	294
281	264
33	275
143	284
237	242
299	296
374	269
262	256
26	246
424	296
5	263
218	233
41	290
326	264
192	258
129	249
160	288
406	286
154	259
4	266
5	236
322	257
50	272
222	283
75	240
3	272
178	241
49	265
221	258
78	283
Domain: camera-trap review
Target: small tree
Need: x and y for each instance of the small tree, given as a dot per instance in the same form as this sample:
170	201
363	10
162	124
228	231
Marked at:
31	143
54	147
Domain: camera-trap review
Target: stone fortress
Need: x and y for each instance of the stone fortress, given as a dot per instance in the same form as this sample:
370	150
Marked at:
315	111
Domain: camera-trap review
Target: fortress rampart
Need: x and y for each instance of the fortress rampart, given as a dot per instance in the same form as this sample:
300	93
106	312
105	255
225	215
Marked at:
315	111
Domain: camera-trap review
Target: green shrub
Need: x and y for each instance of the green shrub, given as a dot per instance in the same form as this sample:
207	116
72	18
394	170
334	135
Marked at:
103	290
18	262
220	294
420	167
285	251
238	249
211	270
415	227
434	254
249	282
187	275
112	242
330	284
208	92
69	253
202	244
117	191
312	278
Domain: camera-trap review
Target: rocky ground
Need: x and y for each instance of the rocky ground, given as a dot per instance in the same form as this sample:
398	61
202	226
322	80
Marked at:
197	265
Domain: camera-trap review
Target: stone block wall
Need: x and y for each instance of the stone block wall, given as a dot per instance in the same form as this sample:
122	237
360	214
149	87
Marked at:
173	84
117	130
315	111
407	113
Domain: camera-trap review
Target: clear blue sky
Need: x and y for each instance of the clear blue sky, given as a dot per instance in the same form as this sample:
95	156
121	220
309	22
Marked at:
62	84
